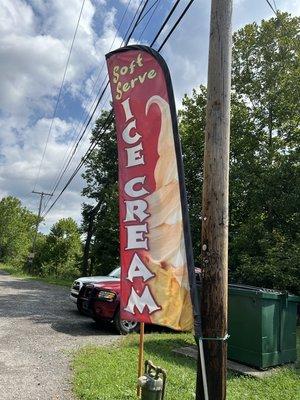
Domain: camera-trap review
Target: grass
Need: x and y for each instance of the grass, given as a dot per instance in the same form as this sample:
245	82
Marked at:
109	373
47	279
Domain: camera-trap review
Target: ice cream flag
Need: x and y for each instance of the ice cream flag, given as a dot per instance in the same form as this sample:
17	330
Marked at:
157	269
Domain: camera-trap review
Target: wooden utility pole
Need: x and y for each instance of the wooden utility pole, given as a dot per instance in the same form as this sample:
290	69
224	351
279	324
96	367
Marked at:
42	194
215	203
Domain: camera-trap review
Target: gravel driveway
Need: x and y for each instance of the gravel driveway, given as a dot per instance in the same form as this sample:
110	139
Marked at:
39	327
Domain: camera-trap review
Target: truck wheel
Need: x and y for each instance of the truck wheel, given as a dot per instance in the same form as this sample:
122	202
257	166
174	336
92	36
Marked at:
79	307
99	323
124	327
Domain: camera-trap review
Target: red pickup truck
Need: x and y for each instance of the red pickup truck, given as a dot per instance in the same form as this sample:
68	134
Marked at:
101	301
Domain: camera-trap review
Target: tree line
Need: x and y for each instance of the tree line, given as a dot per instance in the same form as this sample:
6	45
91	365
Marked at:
264	172
58	253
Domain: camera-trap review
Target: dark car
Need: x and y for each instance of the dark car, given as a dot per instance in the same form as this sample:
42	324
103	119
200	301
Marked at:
101	301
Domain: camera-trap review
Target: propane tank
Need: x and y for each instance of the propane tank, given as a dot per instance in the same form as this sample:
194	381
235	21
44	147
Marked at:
153	382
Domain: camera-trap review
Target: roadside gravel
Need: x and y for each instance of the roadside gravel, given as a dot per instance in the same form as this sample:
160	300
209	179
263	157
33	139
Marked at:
39	329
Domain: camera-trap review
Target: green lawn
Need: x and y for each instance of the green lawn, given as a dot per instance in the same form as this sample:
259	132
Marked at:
21	274
110	373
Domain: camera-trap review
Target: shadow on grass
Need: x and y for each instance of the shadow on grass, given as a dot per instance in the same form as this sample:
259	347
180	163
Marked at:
162	345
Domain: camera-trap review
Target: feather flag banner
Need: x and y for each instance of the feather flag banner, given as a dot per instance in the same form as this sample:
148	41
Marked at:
155	245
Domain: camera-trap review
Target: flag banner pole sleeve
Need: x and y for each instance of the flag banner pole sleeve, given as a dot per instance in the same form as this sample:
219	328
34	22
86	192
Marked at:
157	268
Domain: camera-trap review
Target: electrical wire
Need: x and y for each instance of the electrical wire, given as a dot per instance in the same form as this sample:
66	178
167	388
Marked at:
175	25
137	21
110	116
165	22
105	125
90	117
275	6
155	7
80	139
272	8
86	112
59	94
147	12
94	144
96	102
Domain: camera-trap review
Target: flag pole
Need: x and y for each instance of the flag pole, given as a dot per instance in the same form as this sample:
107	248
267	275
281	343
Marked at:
141	355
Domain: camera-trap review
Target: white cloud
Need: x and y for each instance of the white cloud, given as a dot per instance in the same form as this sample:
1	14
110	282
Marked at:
35	38
34	44
16	16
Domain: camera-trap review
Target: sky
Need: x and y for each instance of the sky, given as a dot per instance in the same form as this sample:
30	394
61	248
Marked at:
35	38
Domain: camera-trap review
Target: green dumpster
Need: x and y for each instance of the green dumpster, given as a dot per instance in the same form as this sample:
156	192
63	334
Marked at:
262	326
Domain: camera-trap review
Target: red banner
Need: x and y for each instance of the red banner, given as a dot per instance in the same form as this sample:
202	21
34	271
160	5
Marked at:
154	275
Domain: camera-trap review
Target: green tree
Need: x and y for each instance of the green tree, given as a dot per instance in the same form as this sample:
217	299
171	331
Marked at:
101	175
191	129
62	249
266	68
264	158
17	226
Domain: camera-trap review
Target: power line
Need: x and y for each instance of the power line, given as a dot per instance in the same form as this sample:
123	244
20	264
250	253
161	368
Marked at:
89	116
94	106
155	7
175	25
59	93
109	118
137	21
89	151
132	21
80	138
272	8
100	97
93	144
85	112
149	9
77	144
165	22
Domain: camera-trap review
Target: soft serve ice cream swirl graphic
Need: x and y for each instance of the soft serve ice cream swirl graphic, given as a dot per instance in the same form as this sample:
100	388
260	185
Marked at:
167	257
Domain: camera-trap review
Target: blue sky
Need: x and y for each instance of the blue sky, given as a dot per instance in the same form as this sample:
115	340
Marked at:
35	37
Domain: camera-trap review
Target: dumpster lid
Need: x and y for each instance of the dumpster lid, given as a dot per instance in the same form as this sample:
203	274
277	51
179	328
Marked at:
255	288
264	291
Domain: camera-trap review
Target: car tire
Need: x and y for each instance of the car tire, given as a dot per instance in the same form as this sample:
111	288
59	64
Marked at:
125	327
79	307
99	322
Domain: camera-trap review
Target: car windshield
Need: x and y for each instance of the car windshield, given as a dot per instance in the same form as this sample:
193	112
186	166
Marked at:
115	273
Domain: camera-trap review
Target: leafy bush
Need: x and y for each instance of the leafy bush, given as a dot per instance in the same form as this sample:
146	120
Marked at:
61	252
17	227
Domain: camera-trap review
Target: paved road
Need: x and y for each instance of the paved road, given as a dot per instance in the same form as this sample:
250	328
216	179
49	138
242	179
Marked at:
39	328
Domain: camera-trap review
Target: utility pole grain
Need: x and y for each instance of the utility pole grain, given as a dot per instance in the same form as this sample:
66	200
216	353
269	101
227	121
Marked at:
215	202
